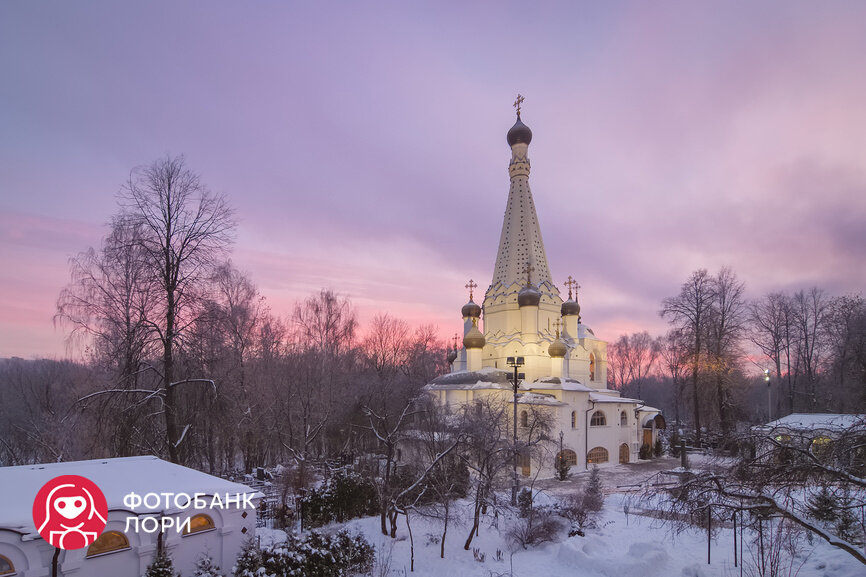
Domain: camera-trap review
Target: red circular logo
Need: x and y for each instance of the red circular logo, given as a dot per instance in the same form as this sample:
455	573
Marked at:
70	512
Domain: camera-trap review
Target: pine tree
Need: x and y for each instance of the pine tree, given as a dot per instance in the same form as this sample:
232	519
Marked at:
249	561
161	566
822	506
205	567
593	495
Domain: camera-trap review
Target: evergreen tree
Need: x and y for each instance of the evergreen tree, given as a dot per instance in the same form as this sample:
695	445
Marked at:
249	561
822	506
161	566
205	567
593	494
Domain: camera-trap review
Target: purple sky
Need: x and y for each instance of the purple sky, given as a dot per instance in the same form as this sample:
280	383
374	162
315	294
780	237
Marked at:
363	144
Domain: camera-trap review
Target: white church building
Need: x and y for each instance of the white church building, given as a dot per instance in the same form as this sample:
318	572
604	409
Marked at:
523	319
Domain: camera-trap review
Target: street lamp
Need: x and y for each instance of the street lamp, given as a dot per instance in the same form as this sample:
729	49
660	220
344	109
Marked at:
769	395
515	362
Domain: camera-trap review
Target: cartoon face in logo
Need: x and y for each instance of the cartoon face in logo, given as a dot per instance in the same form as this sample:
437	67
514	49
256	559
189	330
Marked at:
70	512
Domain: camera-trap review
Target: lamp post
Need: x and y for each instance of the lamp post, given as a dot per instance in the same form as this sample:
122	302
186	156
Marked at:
769	396
515	362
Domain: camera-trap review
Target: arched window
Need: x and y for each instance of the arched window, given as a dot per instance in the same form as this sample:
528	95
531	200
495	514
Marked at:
524	419
199	523
597	455
591	366
108	542
623	419
6	566
623	453
573	419
567	455
598	419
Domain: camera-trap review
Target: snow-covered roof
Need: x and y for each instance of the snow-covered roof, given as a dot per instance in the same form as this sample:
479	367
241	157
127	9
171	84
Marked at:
597	397
486	378
539	399
116	478
557	383
811	421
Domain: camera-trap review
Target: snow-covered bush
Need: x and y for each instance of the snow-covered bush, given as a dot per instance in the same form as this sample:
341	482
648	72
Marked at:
539	527
312	554
573	509
205	567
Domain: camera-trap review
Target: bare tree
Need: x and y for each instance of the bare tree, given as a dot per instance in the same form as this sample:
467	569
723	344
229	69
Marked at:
771	324
689	312
108	305
811	310
185	231
726	324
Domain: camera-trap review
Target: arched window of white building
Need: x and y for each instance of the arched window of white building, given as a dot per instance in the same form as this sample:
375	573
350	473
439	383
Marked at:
591	366
597	455
623	419
108	542
598	419
6	566
573	419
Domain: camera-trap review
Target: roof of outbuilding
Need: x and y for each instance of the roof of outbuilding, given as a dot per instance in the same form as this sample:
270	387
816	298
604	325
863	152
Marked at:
116	478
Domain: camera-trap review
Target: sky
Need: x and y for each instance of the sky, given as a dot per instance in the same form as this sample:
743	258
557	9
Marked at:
362	145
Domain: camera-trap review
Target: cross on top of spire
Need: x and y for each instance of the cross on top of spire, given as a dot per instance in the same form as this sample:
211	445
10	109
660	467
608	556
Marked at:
528	269
517	104
557	324
571	284
472	285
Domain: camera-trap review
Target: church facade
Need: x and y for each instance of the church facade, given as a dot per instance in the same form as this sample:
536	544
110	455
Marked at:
524	321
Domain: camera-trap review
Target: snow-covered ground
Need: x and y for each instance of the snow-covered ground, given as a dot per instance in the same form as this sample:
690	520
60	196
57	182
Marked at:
640	547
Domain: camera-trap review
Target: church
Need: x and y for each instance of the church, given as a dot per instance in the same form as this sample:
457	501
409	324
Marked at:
524	325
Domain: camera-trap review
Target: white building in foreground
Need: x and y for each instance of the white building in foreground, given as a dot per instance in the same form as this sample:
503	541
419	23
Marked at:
565	364
120	552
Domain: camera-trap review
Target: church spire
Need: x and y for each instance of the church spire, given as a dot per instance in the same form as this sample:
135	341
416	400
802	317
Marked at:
520	243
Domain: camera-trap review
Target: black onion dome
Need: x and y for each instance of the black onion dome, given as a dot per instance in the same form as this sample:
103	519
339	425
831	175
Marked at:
569	308
528	296
519	133
452	356
471	310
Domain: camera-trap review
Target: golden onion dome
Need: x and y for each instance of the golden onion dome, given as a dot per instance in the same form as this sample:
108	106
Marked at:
557	349
473	339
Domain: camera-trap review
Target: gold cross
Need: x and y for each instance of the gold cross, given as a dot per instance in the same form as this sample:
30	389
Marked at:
529	269
557	324
571	284
471	286
517	104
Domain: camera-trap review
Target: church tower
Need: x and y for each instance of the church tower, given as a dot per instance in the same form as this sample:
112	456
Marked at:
523	311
